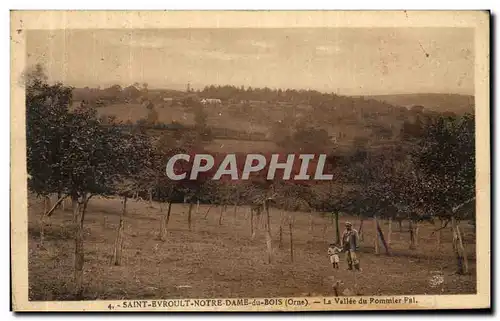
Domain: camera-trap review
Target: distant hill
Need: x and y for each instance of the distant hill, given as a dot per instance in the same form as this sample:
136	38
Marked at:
455	103
276	114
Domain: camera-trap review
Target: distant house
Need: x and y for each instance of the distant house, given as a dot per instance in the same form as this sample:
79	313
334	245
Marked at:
211	101
257	102
167	101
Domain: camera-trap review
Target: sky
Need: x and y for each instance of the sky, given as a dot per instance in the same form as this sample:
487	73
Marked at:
349	61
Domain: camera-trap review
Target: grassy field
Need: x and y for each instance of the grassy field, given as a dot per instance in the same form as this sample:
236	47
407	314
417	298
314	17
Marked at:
215	260
134	112
217	116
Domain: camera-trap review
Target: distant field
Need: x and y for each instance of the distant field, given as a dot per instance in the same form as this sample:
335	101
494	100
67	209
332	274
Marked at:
243	146
223	261
134	112
438	102
124	112
216	116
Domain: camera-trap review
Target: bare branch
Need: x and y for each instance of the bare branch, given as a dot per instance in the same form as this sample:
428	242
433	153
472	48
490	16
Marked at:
49	213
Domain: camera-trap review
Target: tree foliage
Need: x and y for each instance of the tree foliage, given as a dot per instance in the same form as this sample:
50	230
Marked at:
446	159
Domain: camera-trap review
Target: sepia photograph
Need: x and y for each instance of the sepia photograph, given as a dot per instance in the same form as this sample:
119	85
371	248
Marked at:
250	161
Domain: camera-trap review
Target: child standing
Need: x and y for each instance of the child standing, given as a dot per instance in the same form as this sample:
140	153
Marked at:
333	252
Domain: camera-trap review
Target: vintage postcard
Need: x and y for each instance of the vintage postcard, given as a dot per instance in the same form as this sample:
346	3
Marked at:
250	160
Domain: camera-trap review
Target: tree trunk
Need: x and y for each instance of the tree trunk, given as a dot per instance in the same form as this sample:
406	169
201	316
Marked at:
150	197
163	228
79	255
376	240
291	240
261	220
281	238
462	262
206	213
282	217
337	228
190	210
310	221
439	234
252	231
412	234
197	207
220	214
85	203
42	229
63	205
416	234
164	223
268	235
360	230
400	222
59	195
169	210
380	234
465	262
117	252
46	203
389	232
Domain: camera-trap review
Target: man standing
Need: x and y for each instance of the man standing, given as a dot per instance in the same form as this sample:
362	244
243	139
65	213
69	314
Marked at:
349	244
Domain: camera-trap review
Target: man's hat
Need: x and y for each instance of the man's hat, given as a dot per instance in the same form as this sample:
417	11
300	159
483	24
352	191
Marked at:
348	224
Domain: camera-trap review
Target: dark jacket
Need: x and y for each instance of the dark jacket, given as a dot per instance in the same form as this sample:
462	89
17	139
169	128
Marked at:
350	240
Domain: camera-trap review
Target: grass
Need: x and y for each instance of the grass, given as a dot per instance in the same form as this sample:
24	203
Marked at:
224	261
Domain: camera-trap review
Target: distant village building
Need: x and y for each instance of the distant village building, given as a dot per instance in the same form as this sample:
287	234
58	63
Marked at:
167	101
257	102
211	101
